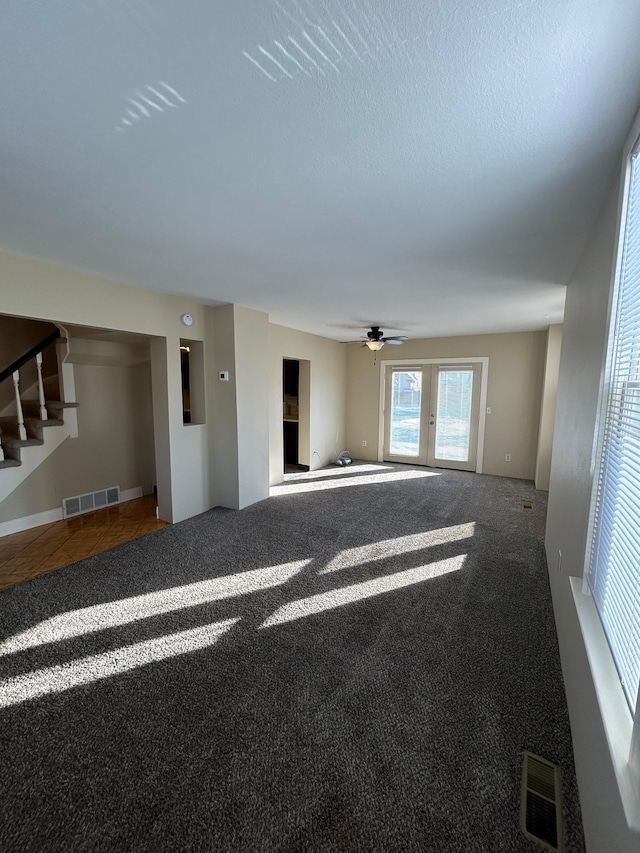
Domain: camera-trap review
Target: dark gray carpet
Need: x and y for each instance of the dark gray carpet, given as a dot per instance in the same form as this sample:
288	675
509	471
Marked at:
382	705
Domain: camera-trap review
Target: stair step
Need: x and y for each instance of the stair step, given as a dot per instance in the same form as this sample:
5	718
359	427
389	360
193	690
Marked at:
34	424
32	407
9	463
34	427
37	423
12	441
57	405
31	410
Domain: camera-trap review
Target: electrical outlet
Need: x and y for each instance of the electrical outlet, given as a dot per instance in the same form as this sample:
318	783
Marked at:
364	442
507	457
559	560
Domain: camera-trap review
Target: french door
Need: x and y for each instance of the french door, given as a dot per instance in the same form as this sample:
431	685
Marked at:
431	415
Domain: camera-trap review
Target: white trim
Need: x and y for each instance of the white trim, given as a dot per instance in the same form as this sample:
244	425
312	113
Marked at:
614	711
17	525
131	494
484	382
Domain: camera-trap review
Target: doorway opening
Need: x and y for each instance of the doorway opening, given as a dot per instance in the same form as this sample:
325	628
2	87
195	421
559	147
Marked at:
296	374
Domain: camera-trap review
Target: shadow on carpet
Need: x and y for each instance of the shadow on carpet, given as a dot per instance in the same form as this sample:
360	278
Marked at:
355	663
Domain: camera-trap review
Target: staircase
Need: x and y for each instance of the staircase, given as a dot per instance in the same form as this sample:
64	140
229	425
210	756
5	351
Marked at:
33	425
10	440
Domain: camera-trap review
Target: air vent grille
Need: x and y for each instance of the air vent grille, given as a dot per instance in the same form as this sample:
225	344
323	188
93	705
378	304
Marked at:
79	504
541	805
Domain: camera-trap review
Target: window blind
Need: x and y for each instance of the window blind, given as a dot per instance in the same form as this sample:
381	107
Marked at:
614	575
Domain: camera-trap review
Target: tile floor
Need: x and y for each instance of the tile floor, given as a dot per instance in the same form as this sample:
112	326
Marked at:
42	549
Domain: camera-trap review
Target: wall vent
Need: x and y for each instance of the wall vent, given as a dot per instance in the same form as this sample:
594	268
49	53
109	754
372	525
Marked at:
79	504
541	802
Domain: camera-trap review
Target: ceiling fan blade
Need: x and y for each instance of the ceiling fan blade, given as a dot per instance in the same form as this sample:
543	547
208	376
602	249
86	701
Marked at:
353	342
396	341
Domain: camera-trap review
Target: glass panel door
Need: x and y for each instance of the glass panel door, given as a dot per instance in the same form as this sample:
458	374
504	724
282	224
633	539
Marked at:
432	414
405	413
455	396
453	415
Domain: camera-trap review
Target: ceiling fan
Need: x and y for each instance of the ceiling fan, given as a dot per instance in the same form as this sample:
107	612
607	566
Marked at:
376	340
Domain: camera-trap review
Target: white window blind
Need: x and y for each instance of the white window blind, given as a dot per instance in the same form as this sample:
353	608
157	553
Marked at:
614	575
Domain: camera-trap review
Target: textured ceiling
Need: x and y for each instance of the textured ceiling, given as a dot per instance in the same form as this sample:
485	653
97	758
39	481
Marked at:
433	167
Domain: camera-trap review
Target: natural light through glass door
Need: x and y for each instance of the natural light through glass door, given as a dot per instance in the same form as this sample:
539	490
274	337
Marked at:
406	402
453	416
431	414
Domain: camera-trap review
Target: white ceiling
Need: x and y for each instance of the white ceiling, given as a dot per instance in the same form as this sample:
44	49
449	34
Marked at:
432	166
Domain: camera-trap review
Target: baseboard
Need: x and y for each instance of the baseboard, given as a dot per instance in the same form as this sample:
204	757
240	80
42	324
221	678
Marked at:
131	494
17	525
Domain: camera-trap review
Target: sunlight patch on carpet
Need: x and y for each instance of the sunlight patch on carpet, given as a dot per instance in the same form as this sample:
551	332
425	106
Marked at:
99	617
338	471
356	592
56	679
294	488
351	557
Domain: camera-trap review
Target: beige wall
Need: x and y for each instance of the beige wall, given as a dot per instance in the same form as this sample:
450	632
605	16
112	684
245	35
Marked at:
239	440
251	329
548	406
581	366
327	404
41	290
514	389
114	447
222	405
228	459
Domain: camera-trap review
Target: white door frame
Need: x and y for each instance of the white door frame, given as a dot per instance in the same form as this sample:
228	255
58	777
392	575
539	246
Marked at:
484	381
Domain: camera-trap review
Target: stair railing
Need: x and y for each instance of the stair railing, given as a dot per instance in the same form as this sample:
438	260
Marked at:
13	371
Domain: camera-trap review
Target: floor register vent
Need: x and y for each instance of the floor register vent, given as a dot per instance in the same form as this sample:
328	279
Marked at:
541	802
90	501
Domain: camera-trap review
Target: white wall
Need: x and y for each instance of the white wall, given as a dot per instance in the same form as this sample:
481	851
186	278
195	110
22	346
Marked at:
581	365
328	389
515	383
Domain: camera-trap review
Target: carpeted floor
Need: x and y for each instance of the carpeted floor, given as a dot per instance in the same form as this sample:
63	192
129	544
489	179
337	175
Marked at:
356	664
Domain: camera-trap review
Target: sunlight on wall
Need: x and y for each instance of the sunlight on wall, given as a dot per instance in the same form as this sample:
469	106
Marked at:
401	545
356	592
101	616
56	679
296	487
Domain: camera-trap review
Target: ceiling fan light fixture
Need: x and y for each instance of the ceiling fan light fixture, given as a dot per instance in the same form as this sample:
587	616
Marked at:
374	346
